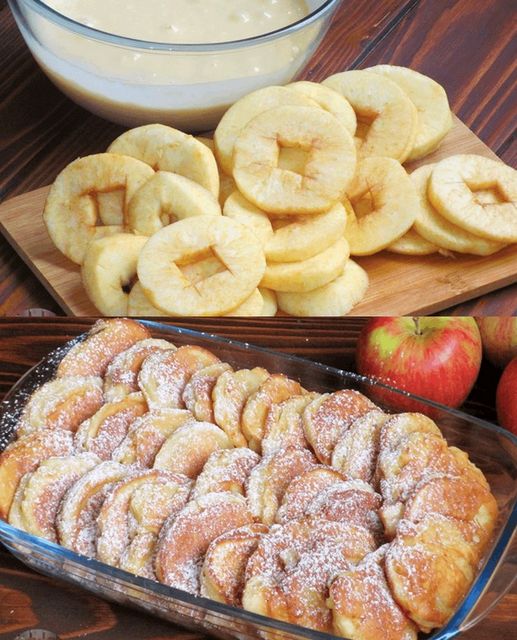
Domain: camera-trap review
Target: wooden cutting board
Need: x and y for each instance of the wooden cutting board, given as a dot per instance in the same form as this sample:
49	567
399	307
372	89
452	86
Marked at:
399	285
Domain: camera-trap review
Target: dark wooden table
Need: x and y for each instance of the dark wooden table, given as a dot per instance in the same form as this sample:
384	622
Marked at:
28	600
466	45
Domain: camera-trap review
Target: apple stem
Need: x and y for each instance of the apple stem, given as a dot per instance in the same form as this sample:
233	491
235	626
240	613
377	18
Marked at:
417	326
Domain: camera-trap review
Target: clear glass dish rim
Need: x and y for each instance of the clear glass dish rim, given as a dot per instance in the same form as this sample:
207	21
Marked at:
453	625
210	47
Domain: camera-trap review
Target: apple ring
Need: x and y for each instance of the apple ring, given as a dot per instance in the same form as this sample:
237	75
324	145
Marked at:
283	427
387	120
36	501
25	455
197	394
307	275
226	470
106	429
452	189
302	491
76	522
164	375
330	101
229	396
269	302
335	298
147	434
71	210
167	149
62	403
171	268
329	416
251	306
105	340
362	605
108	269
166	198
188	448
185	540
276	388
224	566
115	522
268	481
412	244
330	165
244	110
121	376
139	305
436	229
384	205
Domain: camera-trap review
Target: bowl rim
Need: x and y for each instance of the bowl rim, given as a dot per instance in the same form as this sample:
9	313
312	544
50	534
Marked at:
59	19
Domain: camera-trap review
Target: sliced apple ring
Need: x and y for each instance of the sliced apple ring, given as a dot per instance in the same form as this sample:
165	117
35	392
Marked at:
329	168
330	100
430	99
139	305
242	111
192	268
478	194
238	208
108	269
306	275
386	117
166	198
385	205
252	306
438	230
412	244
167	149
71	212
336	298
270	304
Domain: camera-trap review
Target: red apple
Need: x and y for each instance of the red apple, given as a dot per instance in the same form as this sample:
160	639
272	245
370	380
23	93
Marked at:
499	337
506	397
434	357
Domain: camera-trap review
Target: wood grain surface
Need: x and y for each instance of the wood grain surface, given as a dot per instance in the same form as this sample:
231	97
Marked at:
28	600
467	45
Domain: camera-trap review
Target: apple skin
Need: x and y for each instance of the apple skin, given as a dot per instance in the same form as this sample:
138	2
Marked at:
434	357
499	338
506	397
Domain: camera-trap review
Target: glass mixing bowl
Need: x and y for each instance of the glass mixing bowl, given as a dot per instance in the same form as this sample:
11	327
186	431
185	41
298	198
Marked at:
188	86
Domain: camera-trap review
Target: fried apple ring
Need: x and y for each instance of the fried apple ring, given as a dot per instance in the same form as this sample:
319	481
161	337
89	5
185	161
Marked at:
104	341
114	520
147	434
184	541
108	268
226	470
76	520
39	494
387	119
453	187
105	430
330	165
189	447
121	376
244	110
283	426
24	455
329	416
166	198
229	396
197	394
62	403
307	275
164	375
276	388
303	490
71	210
224	566
167	149
269	480
362	605
195	268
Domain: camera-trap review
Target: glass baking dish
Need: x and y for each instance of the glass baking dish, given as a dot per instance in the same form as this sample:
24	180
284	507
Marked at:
493	449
